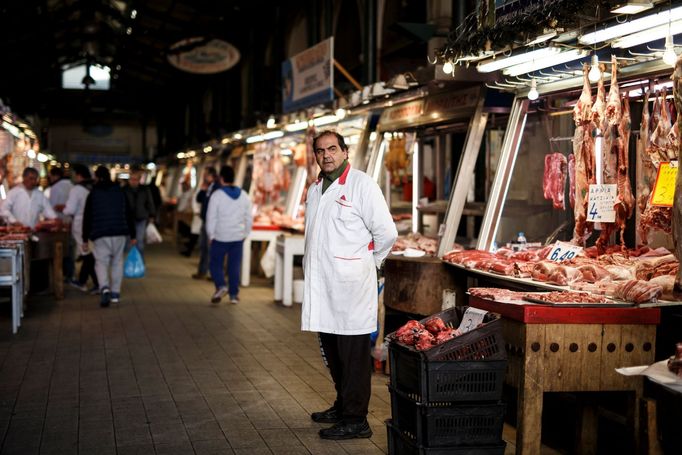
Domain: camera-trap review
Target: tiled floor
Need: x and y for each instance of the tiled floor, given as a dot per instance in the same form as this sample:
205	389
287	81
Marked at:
166	372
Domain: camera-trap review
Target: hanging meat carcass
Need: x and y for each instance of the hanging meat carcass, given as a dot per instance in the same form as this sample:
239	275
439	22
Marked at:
677	202
583	150
662	147
625	201
554	179
648	170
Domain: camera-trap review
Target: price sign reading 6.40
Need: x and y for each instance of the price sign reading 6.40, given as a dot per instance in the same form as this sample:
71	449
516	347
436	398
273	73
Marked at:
563	251
600	201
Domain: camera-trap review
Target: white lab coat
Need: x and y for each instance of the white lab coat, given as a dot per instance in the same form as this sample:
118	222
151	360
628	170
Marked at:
196	214
26	207
75	207
348	233
59	194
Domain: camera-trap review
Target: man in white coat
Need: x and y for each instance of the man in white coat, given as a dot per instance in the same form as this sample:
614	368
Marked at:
349	231
25	203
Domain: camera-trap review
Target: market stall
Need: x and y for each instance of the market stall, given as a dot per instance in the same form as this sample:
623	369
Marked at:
428	162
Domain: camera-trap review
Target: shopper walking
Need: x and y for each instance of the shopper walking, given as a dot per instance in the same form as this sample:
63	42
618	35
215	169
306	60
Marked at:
211	183
142	204
25	203
59	190
228	223
107	222
349	232
75	208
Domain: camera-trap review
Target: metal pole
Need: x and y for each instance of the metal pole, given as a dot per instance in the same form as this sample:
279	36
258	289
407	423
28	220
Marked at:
370	42
498	193
465	174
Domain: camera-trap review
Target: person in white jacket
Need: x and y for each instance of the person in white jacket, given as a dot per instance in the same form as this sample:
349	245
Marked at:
25	203
349	232
75	207
228	223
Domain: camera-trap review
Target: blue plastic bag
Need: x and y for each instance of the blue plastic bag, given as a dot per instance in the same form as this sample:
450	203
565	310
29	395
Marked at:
134	264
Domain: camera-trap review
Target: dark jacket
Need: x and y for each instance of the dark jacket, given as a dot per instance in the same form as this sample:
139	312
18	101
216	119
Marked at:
204	196
156	195
141	202
107	213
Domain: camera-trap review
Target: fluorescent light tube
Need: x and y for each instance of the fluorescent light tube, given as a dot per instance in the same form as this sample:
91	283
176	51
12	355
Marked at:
297	126
272	135
252	139
632	7
500	63
646	36
546	62
633	26
325	120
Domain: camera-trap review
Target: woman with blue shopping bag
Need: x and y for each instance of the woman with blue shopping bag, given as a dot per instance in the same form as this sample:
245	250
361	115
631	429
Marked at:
107	223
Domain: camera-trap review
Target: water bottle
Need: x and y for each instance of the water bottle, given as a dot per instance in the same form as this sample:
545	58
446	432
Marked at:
521	241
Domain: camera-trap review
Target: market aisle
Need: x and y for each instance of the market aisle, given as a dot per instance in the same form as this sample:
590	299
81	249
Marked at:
165	371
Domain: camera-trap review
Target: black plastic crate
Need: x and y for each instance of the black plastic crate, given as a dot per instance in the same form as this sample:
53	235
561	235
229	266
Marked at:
483	343
398	444
474	380
447	424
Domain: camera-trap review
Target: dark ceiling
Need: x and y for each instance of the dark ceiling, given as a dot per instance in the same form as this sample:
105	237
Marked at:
38	38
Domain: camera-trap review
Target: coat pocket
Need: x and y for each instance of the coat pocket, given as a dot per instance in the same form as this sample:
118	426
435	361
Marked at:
348	268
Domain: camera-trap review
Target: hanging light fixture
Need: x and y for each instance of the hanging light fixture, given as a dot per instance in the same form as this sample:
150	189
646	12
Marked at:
595	73
669	55
448	67
533	93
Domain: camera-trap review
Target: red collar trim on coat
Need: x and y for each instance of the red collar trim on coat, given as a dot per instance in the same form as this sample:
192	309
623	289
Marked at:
342	179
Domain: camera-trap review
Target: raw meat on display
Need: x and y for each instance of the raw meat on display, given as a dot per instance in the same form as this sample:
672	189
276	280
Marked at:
554	180
496	294
567	297
423	337
638	291
667	284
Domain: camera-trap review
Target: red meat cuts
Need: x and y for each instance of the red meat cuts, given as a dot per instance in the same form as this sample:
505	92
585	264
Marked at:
571	180
638	291
424	340
566	297
496	294
554	180
435	325
593	273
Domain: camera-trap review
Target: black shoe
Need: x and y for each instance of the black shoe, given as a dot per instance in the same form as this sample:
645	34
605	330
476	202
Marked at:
345	430
105	298
331	415
199	276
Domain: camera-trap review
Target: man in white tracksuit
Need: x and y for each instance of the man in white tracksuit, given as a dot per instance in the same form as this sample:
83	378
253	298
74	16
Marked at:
348	233
228	223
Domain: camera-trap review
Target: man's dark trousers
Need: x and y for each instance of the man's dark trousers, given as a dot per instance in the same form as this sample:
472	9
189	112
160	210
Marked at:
348	359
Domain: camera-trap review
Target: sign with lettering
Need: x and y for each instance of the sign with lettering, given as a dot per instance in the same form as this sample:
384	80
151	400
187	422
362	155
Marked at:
563	251
308	77
200	55
664	189
601	200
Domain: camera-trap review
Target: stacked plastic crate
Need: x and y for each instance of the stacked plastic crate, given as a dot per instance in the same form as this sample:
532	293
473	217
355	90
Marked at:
446	400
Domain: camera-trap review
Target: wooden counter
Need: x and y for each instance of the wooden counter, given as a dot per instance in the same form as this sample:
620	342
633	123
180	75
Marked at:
571	350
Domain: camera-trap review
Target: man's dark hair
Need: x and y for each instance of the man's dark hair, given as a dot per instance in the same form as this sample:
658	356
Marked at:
30	170
103	174
81	170
227	174
211	171
340	139
56	171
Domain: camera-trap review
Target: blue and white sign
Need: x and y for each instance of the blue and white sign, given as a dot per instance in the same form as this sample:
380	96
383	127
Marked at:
308	77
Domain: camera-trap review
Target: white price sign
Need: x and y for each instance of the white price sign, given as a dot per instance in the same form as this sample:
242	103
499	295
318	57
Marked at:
471	319
563	251
601	200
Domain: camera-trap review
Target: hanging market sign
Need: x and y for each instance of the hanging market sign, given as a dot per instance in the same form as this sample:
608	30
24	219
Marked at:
308	77
201	55
449	103
401	115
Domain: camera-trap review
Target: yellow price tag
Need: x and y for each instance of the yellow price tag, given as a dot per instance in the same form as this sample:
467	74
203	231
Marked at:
664	189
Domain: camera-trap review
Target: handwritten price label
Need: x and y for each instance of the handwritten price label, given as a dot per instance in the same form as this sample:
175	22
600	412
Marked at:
601	200
563	251
664	189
